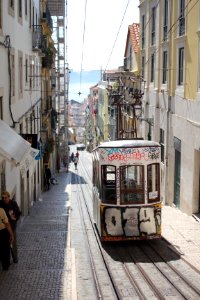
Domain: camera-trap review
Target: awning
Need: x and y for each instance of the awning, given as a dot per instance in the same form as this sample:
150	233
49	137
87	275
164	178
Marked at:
12	145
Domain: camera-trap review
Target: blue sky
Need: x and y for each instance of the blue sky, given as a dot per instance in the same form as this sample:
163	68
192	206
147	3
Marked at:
89	79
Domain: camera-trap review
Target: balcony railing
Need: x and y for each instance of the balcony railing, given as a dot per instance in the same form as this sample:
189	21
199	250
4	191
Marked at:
37	38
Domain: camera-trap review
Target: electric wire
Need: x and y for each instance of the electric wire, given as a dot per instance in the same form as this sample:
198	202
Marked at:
120	28
172	28
117	35
82	54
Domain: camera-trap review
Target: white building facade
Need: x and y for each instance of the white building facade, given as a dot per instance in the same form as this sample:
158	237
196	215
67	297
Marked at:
169	60
20	100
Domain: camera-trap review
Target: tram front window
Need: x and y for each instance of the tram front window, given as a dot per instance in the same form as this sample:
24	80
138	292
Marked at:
109	184
132	184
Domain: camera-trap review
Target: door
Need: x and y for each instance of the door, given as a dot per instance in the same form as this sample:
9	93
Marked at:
177	173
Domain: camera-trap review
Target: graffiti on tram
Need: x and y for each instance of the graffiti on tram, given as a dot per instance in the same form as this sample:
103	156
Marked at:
127	154
131	221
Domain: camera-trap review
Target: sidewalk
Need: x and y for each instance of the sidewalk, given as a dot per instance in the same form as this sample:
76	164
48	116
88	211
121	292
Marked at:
183	233
44	270
46	267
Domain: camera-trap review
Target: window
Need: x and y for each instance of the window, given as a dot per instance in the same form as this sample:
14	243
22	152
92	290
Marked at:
20	128
164	77
132	184
36	73
0	14
20	8
199	64
12	64
131	58
143	65
1	108
33	17
11	7
2	177
181	17
180	65
108	177
143	31
26	71
20	74
30	73
30	20
153	26
153	182
162	133
165	20
152	68
26	8
11	4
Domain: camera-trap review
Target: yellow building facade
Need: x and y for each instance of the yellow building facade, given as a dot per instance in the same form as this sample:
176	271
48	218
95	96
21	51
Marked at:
169	60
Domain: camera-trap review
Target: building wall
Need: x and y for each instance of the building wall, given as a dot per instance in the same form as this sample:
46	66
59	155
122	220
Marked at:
175	107
23	99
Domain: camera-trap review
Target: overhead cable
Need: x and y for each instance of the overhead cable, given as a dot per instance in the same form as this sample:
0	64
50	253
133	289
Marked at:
83	48
117	35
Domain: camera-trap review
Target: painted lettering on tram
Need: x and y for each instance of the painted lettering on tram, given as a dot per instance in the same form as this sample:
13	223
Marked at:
127	154
131	221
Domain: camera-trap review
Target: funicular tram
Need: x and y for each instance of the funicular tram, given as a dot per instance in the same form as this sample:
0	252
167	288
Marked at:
126	190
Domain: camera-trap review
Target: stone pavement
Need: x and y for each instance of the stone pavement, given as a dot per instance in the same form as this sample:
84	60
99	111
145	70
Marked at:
183	233
44	270
46	267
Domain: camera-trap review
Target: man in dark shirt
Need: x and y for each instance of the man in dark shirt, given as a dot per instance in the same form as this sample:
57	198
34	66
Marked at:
13	213
47	177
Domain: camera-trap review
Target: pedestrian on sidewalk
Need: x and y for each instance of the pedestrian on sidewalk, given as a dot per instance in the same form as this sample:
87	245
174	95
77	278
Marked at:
72	157
65	161
47	176
75	162
6	237
13	214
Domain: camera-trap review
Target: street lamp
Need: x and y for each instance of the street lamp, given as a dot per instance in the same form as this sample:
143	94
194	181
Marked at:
150	122
138	115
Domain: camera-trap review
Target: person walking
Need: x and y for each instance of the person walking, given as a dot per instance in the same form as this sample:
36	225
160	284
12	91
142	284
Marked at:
47	174
72	157
75	162
13	213
6	237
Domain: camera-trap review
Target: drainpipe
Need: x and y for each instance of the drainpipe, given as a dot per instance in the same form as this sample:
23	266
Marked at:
168	107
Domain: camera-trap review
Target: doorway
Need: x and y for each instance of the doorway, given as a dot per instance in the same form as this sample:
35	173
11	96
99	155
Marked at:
177	172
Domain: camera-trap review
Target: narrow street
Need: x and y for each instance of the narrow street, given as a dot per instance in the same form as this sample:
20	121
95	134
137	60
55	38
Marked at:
51	259
44	267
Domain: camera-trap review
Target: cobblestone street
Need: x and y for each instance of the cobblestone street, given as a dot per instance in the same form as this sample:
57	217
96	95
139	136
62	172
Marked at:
43	270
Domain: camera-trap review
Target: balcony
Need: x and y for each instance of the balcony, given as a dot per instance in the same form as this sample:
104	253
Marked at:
48	56
37	38
47	61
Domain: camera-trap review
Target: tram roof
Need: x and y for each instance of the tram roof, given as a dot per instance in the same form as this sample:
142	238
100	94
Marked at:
128	144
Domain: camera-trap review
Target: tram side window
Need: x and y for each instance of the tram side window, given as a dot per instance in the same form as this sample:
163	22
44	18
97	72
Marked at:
153	182
132	184
108	175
